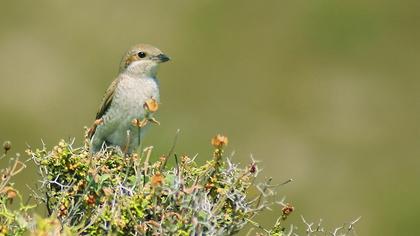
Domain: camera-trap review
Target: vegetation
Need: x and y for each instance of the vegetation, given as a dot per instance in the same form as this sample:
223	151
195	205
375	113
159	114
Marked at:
111	193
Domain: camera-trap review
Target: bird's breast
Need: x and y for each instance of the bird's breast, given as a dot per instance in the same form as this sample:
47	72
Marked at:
131	94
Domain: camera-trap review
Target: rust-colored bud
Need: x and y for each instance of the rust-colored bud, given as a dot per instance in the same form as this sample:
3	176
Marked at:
253	168
157	179
90	199
287	210
209	186
10	193
219	141
151	105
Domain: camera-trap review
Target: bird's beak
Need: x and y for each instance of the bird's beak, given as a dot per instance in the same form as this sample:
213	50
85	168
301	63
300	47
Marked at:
162	58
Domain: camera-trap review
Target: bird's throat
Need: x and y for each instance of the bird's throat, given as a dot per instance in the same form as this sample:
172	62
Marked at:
142	69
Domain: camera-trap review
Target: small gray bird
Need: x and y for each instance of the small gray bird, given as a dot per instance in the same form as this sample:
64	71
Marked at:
129	102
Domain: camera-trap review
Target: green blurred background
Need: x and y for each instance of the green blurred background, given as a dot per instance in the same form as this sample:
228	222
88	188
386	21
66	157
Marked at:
325	92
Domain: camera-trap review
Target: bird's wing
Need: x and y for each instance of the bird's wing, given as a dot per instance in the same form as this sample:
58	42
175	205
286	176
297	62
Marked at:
105	104
107	99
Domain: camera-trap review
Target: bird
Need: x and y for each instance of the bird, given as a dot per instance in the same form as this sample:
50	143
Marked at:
127	107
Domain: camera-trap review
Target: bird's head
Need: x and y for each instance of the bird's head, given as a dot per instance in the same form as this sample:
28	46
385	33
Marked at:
142	60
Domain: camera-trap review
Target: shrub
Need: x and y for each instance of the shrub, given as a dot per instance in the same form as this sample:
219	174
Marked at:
112	193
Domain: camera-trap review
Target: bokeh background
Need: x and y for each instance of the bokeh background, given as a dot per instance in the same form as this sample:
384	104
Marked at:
325	92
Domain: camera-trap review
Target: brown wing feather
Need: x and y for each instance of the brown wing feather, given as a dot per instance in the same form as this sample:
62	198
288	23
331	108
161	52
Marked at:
107	99
105	104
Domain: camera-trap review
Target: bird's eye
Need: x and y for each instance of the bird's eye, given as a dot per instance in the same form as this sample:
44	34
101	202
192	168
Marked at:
142	54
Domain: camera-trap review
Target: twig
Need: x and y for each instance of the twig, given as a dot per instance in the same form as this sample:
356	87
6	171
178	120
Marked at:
171	151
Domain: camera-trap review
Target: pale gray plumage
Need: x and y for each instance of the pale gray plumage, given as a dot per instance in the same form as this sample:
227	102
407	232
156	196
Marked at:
125	98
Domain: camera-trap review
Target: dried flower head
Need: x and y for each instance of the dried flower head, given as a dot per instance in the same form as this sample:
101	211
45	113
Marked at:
107	191
185	159
7	145
3	230
151	105
209	186
63	211
10	193
219	141
253	168
287	210
157	179
90	199
139	123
